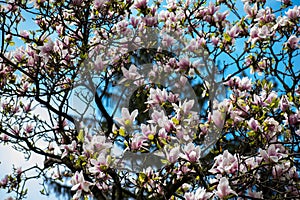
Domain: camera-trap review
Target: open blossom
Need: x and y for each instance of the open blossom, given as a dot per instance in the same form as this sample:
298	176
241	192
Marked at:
257	33
158	117
253	124
293	119
137	142
200	194
184	63
68	148
265	15
272	124
224	189
184	108
131	75
127	119
173	154
168	41
293	13
225	163
293	42
191	153
273	153
251	11
46	49
100	164
97	144
79	185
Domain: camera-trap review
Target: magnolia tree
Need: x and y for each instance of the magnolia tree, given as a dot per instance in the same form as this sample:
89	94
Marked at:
152	100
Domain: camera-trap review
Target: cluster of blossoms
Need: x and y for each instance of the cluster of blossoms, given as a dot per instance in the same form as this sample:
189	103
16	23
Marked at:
206	136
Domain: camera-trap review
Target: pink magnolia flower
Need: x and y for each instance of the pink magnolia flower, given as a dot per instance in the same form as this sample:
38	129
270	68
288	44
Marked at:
212	9
46	49
158	117
173	154
163	15
97	144
234	31
225	163
184	108
284	103
258	100
294	119
293	13
272	96
19	54
148	129
233	82
140	4
200	194
127	119
282	21
150	21
28	128
272	154
258	33
137	142
253	124
293	42
251	11
245	84
224	189
4	181
191	153
100	164
221	17
168	41
273	125
215	40
131	74
134	21
218	118
79	185
265	15
24	34
279	170
68	148
99	3
100	64
122	27
157	96
192	46
184	63
201	42
264	32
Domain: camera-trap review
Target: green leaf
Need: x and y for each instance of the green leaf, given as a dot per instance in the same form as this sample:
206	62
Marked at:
11	43
227	37
80	136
